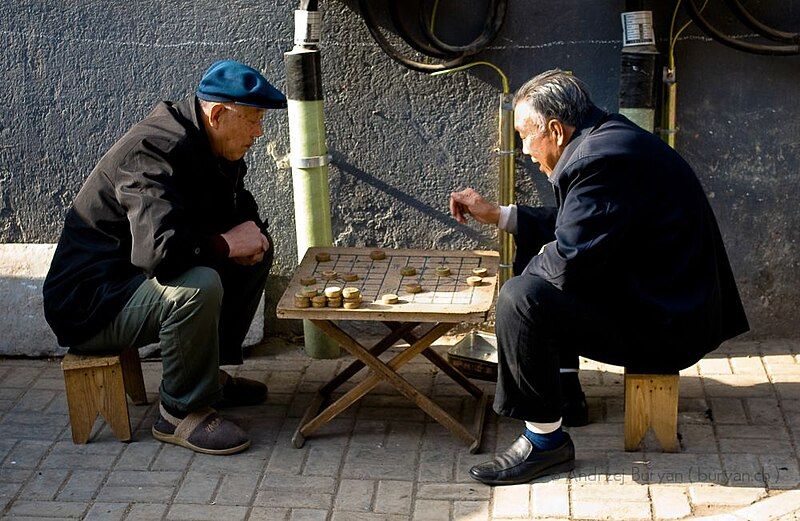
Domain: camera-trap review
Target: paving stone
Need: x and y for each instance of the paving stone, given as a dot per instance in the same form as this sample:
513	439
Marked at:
600	509
728	410
780	472
236	489
45	484
471	510
669	502
198	487
298	483
269	514
287	460
742	470
172	458
206	512
293	499
324	461
82	485
12	475
26	454
436	465
511	501
145	512
365	516
47	508
753	432
35	400
587	492
249	461
717	495
453	491
714	366
550	499
308	514
737	385
32	425
764	411
377	463
106	512
677	468
138	456
7	493
751	365
21	376
750	446
143	478
153	494
431	510
394	497
697	438
354	495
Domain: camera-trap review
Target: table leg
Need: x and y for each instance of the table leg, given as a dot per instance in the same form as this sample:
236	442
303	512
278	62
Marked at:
383	371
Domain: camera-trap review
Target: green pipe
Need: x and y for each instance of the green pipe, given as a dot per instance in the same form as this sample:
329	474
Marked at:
506	185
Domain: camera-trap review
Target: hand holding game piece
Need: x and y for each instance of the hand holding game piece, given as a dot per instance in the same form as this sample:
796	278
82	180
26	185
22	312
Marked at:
469	202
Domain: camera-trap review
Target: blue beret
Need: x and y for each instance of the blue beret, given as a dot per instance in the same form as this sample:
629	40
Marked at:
229	80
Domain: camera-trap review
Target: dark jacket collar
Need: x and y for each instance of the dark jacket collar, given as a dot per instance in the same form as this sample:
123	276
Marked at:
591	120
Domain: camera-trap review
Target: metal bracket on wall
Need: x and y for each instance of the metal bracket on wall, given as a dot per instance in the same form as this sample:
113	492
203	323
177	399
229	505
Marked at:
310	162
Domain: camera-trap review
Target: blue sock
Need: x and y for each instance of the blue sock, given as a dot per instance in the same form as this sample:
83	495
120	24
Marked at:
548	441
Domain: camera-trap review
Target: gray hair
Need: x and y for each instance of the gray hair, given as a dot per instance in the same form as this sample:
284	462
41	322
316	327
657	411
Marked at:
556	94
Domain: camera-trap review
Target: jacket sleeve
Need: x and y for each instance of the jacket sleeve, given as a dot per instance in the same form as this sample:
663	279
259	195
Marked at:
594	217
164	243
246	207
535	227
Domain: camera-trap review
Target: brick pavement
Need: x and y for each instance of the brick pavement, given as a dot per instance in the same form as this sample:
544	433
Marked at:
383	460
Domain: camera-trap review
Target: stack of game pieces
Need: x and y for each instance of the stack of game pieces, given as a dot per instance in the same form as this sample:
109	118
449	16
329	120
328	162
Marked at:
390	298
301	300
351	298
320	301
334	296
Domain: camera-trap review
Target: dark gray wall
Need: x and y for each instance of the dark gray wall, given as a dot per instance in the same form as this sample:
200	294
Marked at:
76	77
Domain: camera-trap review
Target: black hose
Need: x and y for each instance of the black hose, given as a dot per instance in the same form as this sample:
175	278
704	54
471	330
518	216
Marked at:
421	47
764	30
496	14
384	44
754	48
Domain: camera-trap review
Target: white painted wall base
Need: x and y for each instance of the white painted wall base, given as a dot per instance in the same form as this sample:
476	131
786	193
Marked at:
23	329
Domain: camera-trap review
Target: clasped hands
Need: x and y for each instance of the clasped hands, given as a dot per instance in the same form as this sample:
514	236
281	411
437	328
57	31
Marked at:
246	243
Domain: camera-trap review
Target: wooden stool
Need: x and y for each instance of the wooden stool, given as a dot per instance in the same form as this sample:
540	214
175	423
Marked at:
97	384
651	400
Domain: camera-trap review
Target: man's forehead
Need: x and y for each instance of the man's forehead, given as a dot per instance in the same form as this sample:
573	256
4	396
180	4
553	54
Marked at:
523	116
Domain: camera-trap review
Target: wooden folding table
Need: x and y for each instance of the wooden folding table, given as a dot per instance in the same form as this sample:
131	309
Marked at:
444	302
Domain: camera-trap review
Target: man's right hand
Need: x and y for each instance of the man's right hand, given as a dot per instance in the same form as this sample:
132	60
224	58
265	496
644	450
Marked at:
469	202
245	240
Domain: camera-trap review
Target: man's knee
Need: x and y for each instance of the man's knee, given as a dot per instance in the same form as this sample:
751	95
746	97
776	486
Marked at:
523	294
200	285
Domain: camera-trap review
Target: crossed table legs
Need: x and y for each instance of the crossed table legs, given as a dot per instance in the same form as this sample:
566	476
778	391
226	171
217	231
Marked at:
313	419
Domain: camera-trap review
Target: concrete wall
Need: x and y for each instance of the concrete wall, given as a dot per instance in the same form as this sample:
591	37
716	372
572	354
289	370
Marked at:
76	75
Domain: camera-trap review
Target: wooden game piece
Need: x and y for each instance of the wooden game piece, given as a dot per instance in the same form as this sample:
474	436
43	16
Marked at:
377	255
329	274
474	281
479	272
320	301
352	300
408	271
334	302
301	300
352	305
308	281
309	292
442	271
323	256
333	292
349	277
351	293
413	288
390	298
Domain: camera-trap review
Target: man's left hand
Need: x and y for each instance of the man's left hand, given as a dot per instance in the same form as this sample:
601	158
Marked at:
249	261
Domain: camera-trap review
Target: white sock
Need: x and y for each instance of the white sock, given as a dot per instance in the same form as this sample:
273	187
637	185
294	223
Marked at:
543	428
568	370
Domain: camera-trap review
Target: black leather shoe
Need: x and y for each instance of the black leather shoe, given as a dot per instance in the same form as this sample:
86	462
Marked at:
520	463
574	411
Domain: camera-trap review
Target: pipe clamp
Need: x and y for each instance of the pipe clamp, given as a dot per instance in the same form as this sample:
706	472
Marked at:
310	162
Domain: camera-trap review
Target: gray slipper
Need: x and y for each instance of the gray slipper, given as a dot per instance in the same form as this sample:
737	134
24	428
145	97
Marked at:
201	431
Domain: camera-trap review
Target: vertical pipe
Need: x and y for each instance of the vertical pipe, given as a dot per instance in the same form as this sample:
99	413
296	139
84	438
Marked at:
506	186
670	123
309	157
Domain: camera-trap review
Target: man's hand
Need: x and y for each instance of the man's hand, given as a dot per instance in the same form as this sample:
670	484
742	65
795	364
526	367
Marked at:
245	240
249	261
471	202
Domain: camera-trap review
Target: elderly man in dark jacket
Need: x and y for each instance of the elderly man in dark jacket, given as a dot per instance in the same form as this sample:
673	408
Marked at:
164	244
629	269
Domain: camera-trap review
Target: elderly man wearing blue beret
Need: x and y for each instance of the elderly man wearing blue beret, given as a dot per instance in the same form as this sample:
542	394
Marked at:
164	244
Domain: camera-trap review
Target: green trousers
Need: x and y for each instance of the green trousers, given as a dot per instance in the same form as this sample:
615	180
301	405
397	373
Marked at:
199	319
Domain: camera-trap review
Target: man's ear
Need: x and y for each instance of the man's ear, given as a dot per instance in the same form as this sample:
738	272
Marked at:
213	117
556	129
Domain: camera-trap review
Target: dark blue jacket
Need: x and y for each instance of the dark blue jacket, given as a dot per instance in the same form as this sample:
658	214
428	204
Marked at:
634	231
